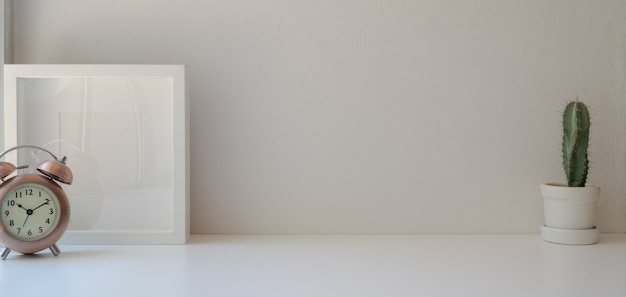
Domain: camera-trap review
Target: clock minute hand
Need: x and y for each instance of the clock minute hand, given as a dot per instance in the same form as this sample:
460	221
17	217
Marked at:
30	211
45	203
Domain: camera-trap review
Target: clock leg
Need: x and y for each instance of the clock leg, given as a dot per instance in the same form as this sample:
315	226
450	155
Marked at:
55	249
5	252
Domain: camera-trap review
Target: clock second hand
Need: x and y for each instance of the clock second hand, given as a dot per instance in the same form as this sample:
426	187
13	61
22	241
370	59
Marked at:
28	216
29	211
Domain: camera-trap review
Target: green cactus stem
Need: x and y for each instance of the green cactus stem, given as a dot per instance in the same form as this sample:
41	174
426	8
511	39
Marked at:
576	125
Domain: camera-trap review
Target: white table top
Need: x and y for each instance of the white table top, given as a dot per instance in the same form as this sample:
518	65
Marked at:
325	265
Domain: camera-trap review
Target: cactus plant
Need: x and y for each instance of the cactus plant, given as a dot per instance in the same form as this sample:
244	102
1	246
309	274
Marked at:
576	125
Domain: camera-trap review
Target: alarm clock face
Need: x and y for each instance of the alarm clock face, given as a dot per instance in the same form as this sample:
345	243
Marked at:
30	211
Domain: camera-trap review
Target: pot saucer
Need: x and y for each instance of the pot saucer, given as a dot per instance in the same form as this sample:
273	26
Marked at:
570	236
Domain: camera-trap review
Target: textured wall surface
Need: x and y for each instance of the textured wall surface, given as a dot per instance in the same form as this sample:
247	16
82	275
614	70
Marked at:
367	116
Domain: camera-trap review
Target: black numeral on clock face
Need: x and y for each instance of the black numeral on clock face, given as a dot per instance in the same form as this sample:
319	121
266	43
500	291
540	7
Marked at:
24	193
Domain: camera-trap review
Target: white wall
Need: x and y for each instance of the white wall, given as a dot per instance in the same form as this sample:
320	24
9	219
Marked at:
367	116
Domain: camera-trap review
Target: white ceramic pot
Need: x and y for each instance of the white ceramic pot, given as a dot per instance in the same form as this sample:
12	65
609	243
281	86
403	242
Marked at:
569	213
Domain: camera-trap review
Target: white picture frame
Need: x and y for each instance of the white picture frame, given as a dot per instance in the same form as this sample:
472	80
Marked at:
125	131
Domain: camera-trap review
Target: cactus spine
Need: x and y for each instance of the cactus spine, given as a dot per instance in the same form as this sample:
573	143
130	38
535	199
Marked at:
576	125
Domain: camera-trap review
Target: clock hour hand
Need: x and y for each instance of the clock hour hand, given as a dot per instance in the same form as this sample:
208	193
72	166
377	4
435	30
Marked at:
22	207
29	211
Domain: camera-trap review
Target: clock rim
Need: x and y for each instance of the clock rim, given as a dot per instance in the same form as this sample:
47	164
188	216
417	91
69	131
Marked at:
30	247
